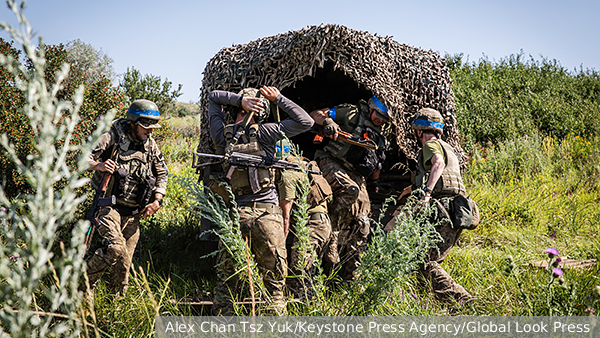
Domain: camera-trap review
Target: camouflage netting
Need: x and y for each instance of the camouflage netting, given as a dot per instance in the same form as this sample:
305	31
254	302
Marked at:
325	65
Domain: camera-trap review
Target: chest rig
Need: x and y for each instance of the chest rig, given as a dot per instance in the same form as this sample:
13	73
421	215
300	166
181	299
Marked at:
355	118
134	167
247	180
450	183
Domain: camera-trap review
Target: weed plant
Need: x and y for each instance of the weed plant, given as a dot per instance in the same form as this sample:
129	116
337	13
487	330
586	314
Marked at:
391	258
234	250
39	284
308	270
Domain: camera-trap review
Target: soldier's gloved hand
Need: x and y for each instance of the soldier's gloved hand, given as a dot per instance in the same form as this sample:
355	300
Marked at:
330	128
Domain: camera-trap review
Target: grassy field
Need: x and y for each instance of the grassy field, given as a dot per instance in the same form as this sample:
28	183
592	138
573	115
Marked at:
532	135
537	187
535	193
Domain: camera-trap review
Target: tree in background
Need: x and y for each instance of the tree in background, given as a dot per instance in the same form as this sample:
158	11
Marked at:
98	98
149	87
94	64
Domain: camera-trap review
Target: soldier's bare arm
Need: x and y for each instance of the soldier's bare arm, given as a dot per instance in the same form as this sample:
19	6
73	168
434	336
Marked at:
437	167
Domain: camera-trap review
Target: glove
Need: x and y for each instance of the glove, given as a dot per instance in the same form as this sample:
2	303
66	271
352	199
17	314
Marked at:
330	128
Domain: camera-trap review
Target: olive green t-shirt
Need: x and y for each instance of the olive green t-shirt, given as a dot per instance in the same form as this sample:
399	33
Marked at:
286	188
431	148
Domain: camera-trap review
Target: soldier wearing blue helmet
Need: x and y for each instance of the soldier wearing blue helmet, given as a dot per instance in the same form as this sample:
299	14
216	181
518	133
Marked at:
138	184
347	168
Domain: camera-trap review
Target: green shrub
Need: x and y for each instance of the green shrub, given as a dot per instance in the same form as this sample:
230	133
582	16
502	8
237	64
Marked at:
40	286
516	97
98	99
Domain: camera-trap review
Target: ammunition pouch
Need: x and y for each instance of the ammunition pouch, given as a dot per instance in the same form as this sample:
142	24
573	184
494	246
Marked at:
121	176
145	190
218	188
461	211
320	189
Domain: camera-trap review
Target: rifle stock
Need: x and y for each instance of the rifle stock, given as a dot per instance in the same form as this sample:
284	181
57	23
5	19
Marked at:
99	200
348	138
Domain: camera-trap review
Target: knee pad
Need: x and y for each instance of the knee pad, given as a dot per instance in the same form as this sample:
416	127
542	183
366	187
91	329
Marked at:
115	252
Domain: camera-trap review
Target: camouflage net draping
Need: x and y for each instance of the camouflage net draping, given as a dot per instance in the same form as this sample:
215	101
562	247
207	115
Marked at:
404	78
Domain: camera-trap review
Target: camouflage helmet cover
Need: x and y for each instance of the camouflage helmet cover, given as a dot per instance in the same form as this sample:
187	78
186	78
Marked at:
428	119
381	110
262	115
145	113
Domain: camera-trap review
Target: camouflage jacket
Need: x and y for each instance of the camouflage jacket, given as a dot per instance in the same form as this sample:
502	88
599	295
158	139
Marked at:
140	160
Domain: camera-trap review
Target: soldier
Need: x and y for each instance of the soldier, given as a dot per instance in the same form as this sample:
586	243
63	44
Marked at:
139	183
319	222
438	175
257	200
347	168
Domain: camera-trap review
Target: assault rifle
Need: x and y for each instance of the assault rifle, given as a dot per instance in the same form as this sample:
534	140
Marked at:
348	138
251	162
100	201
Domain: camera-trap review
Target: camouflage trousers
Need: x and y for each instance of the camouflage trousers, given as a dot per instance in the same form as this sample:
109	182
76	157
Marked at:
120	235
349	214
444	287
320	232
262	226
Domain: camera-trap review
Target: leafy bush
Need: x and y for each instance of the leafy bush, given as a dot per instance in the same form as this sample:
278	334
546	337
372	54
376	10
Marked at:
530	156
516	97
98	98
39	289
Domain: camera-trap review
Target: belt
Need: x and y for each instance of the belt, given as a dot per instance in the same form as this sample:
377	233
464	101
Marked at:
319	216
125	210
271	208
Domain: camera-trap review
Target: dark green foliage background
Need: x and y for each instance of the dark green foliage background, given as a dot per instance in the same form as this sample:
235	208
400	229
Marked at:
98	99
517	96
149	87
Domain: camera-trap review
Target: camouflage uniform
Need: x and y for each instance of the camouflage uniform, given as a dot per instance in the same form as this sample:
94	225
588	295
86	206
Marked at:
119	224
319	222
260	215
448	186
351	206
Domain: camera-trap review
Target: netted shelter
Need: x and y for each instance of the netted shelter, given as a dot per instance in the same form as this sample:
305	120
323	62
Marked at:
325	65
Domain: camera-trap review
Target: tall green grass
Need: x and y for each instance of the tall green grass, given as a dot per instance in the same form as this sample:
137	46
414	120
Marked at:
532	132
534	193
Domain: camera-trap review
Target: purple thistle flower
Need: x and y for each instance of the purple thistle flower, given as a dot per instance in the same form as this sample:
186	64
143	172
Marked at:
557	272
551	252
